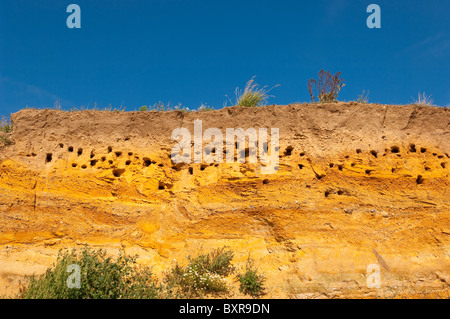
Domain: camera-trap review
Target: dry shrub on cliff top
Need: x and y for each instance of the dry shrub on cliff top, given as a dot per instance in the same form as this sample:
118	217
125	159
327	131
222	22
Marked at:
327	87
423	100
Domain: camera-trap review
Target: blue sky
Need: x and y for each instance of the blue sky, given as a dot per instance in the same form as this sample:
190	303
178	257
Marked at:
133	53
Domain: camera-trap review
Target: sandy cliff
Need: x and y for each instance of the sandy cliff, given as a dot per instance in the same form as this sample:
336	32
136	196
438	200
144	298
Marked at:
357	184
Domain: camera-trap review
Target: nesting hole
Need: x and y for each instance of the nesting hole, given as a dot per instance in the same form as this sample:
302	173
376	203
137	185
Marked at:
266	181
48	158
395	149
191	170
443	165
288	150
128	162
423	150
412	148
74	164
93	162
118	153
374	153
80	151
147	162
358	151
419	179
118	172
301	166
70	149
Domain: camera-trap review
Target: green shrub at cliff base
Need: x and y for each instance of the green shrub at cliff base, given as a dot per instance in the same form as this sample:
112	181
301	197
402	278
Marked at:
251	282
101	277
204	274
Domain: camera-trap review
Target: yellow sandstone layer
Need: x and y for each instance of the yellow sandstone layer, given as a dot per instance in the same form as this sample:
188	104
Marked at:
358	184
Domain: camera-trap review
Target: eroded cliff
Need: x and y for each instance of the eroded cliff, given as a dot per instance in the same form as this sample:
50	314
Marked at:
357	184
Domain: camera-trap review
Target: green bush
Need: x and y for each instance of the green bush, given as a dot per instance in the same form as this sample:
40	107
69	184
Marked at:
143	108
101	278
5	125
203	275
250	282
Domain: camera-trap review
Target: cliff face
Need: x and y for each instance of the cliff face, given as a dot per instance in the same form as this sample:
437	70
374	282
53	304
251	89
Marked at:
357	185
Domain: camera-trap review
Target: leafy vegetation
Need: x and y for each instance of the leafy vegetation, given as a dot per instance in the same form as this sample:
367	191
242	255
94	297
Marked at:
204	274
101	277
251	282
327	87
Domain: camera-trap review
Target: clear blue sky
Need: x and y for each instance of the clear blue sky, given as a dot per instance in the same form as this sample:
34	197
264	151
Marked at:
134	53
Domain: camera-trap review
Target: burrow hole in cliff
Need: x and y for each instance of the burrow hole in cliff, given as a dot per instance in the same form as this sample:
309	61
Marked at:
203	166
118	153
110	162
393	170
423	150
70	149
265	181
103	158
395	149
147	162
368	171
327	193
48	158
340	192
80	152
61	145
374	153
419	179
319	176
331	165
191	170
427	168
288	150
128	162
302	154
93	163
161	186
443	165
441	156
412	148
109	149
74	165
118	172
301	166
358	151
84	167
92	154
352	164
130	153
340	167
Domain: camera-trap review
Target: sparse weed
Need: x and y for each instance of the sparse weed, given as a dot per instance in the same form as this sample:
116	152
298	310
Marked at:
363	97
327	87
